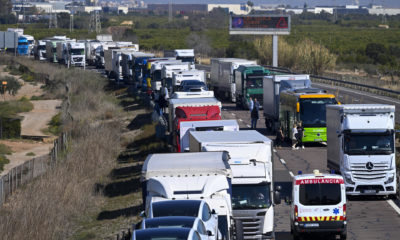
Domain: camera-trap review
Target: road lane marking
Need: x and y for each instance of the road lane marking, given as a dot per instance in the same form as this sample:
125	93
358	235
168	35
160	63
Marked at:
394	206
233	114
248	126
282	161
274	150
291	174
240	120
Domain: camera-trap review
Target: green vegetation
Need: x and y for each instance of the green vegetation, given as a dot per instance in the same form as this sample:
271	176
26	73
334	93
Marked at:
11	108
12	86
4	150
55	125
31	154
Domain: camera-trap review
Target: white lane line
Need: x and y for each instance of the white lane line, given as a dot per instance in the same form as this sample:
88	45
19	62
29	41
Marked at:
274	150
233	114
291	174
282	161
394	206
240	120
248	126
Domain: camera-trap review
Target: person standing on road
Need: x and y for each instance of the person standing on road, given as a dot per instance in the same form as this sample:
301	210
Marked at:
254	114
294	136
279	138
300	134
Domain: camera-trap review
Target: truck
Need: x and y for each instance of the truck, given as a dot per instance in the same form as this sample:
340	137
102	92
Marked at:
76	54
185	55
104	38
8	41
139	67
361	139
185	127
253	190
25	45
167	70
39	51
90	51
289	100
117	63
189	103
318	205
178	77
51	50
222	76
155	72
127	63
192	176
249	83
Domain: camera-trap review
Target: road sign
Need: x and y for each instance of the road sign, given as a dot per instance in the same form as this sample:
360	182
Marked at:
259	24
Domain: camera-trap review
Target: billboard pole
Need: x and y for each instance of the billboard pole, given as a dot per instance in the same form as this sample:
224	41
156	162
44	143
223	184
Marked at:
275	50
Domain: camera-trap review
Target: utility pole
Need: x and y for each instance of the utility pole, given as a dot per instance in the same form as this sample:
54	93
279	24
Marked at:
71	22
95	22
53	19
170	11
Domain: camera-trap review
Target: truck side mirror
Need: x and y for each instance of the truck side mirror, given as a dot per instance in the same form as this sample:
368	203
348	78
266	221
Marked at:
209	233
142	214
213	212
278	188
277	197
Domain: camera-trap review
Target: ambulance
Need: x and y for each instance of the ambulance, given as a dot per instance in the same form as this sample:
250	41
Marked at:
318	205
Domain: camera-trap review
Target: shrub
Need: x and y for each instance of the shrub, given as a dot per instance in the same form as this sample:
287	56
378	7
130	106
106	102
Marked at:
12	87
55	124
3	162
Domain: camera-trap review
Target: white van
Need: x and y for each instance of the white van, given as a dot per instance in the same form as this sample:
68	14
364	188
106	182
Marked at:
318	205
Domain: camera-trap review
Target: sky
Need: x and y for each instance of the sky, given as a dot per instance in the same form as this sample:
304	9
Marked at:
300	3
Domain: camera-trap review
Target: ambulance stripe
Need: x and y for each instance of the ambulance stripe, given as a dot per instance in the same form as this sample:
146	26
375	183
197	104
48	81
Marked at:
320	218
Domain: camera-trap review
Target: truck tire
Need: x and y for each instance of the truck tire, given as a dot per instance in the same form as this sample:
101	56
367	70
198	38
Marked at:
343	236
238	230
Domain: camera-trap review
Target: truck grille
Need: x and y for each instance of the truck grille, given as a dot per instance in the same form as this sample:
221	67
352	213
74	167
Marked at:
360	171
78	59
251	227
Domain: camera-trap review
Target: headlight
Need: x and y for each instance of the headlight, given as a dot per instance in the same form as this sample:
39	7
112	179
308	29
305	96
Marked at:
390	179
348	179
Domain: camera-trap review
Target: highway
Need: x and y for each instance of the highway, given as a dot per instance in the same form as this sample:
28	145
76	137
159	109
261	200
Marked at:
368	218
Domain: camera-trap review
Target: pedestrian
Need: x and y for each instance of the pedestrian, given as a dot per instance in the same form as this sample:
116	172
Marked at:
254	114
279	138
294	136
300	134
162	102
250	104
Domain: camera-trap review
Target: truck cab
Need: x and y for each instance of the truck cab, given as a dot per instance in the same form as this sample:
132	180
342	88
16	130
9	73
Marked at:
76	54
249	83
191	176
178	77
318	205
361	146
155	72
40	50
168	70
186	55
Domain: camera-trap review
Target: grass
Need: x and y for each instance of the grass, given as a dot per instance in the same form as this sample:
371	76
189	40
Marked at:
4	150
30	154
55	125
11	108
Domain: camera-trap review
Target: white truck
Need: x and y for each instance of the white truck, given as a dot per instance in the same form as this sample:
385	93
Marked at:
62	52
90	51
39	51
222	76
168	70
251	161
155	72
361	147
104	38
178	77
211	125
76	54
186	55
273	86
191	176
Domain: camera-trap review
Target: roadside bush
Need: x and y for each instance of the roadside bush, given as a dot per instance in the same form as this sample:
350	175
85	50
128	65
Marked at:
55	124
12	87
3	162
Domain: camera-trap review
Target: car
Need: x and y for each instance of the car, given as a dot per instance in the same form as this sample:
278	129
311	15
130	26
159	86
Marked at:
189	208
192	86
178	221
166	233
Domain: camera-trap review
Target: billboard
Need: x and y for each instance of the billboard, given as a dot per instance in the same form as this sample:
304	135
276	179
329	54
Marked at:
259	24
8	40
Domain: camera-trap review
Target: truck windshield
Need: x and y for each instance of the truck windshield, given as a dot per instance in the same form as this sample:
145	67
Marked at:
313	111
157	75
41	47
320	194
254	82
254	196
369	144
22	43
186	59
77	51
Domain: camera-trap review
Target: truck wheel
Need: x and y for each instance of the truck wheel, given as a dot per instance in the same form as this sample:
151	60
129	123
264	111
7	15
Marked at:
343	236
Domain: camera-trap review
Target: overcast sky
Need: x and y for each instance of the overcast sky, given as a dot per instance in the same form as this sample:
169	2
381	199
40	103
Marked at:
388	3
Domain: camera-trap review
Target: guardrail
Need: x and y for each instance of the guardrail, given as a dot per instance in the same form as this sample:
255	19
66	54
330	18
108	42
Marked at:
353	85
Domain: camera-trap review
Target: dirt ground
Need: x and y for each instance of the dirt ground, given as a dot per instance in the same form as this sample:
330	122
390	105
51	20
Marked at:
32	124
37	119
28	89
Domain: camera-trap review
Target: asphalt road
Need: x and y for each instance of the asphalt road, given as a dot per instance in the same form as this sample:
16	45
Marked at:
368	218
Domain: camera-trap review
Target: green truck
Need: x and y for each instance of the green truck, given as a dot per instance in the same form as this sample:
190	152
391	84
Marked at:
249	83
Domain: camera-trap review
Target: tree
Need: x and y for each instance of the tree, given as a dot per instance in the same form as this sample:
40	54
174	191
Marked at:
5	12
200	44
377	52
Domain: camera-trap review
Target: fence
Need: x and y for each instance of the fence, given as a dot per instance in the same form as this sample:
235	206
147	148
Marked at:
31	169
